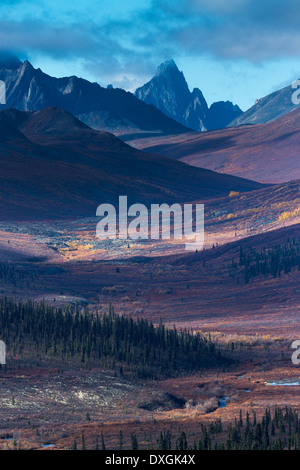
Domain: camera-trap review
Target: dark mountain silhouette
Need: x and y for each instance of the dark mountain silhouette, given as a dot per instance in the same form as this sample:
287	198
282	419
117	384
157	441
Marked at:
169	92
53	165
220	113
269	153
30	89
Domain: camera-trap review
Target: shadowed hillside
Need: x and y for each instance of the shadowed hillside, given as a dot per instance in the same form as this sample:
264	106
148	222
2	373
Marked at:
53	165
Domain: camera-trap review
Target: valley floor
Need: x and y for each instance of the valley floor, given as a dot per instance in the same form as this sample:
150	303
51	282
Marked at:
46	405
53	404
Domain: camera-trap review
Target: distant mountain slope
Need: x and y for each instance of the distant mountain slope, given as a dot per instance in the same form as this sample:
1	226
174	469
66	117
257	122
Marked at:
169	92
220	113
268	108
53	165
30	89
269	153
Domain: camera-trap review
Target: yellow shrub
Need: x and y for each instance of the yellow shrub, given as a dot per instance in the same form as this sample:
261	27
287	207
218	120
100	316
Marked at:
289	214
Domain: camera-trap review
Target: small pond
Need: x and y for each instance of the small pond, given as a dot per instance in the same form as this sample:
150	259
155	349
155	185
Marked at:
284	382
223	402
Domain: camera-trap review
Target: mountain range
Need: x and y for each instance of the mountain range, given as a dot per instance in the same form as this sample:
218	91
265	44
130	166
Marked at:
164	105
169	92
30	89
264	152
53	165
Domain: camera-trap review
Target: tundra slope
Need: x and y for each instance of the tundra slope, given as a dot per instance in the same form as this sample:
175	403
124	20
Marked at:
268	153
53	165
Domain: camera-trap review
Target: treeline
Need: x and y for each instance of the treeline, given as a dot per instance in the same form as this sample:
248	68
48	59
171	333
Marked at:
273	262
277	431
274	432
39	331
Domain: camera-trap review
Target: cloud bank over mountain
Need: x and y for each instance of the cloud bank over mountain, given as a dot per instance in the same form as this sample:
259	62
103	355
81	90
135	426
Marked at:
122	43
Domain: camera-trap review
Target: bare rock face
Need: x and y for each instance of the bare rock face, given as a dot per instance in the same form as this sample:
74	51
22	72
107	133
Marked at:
197	112
169	92
268	108
29	89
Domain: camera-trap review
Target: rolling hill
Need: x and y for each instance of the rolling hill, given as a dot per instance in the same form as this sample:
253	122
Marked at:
53	165
268	153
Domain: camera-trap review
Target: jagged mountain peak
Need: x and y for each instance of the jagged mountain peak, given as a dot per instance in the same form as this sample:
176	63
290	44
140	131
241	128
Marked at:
169	73
197	92
169	92
30	89
167	66
27	67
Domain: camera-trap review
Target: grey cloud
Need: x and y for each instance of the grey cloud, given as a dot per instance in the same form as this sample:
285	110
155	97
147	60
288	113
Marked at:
78	40
251	29
255	30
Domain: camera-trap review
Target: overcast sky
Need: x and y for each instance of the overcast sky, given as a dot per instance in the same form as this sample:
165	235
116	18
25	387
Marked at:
239	50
